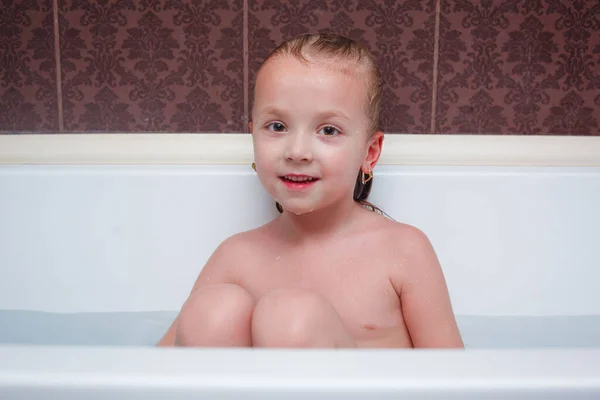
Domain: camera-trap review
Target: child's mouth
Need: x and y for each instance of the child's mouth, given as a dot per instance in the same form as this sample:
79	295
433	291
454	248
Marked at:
298	181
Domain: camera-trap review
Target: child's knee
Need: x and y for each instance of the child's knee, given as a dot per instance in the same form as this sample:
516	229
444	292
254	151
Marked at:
215	315
292	318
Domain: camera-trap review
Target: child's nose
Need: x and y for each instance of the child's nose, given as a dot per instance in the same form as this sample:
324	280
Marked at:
299	147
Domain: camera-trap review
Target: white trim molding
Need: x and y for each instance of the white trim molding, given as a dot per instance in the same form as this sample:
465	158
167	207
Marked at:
227	148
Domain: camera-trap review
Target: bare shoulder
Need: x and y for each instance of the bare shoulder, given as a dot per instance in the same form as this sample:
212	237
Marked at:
223	264
239	246
402	230
411	239
400	235
408	246
240	241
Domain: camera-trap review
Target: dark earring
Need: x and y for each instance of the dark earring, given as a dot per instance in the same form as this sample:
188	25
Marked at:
369	176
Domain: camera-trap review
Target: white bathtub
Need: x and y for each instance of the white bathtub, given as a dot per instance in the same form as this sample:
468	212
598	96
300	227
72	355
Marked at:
95	260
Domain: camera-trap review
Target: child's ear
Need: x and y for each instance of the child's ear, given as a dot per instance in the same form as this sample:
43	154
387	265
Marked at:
375	145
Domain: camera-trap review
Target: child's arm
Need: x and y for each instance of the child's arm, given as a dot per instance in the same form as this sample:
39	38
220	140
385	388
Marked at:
424	297
218	269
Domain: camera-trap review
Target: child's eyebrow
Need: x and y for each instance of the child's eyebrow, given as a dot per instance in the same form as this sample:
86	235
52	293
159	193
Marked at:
274	111
332	113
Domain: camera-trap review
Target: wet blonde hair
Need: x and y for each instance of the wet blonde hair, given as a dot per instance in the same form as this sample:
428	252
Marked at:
331	47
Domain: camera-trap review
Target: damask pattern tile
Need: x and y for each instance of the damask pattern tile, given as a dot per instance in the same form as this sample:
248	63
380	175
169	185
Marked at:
28	92
399	33
519	67
152	65
504	66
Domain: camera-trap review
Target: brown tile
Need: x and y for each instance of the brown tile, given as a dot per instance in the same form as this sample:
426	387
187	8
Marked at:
399	33
28	101
153	65
519	67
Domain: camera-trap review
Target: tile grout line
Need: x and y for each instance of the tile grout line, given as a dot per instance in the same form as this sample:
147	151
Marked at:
245	62
59	103
436	55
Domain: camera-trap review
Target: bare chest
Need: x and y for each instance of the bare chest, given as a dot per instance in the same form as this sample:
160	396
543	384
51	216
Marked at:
357	286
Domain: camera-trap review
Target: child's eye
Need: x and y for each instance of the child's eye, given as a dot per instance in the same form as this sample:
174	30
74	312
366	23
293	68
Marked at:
330	131
276	127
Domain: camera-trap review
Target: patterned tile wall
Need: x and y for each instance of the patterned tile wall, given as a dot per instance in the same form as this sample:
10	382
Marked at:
28	88
519	67
449	66
152	65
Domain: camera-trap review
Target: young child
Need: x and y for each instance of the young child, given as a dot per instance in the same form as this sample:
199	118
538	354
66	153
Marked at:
328	272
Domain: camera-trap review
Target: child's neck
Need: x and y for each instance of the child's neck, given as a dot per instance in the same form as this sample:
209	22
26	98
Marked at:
331	220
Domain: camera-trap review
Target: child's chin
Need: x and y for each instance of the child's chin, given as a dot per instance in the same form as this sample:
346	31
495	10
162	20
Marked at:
298	209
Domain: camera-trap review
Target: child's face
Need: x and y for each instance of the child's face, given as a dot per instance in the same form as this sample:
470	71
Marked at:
309	122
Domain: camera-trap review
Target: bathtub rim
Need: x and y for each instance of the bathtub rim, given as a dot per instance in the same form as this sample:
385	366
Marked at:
417	371
236	148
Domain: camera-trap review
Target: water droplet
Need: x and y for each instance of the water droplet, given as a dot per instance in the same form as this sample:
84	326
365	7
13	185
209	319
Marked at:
277	258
